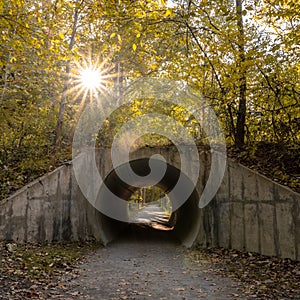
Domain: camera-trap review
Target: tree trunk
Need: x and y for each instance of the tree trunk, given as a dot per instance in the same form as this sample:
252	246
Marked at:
61	113
242	82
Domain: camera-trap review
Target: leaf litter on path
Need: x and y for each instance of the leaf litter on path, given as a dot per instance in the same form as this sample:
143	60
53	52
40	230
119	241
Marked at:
45	272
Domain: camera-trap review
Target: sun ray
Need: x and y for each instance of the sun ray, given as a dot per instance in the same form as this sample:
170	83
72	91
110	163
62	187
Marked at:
95	78
78	94
90	78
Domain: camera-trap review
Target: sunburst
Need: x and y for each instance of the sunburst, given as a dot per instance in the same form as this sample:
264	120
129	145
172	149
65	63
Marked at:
89	79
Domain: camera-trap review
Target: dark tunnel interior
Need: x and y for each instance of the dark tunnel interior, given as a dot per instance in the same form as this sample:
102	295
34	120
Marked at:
184	221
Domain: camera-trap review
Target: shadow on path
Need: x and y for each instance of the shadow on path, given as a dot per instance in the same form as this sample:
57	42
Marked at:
144	263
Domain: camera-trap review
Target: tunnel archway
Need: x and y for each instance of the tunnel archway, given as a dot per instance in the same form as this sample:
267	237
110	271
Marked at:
186	218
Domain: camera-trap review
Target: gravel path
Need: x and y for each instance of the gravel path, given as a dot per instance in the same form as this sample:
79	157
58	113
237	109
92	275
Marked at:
148	264
143	263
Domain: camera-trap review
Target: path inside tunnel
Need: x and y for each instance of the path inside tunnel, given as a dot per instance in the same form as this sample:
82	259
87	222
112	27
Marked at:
147	263
153	216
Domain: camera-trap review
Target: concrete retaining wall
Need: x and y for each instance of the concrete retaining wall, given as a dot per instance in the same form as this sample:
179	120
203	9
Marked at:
252	213
249	212
52	208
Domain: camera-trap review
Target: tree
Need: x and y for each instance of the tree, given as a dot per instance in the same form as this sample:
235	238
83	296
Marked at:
241	56
242	80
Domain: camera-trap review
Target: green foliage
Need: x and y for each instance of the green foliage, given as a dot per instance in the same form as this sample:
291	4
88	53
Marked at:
164	109
200	42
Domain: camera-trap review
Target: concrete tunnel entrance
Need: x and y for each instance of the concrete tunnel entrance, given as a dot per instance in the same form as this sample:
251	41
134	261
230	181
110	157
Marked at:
184	220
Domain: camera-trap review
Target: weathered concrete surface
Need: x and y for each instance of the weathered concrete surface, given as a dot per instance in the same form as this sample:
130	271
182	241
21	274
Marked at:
52	208
249	212
252	213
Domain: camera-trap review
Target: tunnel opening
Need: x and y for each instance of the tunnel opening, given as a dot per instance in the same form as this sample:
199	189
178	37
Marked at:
151	207
148	214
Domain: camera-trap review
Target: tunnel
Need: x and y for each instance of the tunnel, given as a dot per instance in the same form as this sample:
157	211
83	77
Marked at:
185	217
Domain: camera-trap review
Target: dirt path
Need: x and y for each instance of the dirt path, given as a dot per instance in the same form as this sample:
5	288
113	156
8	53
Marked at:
148	264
